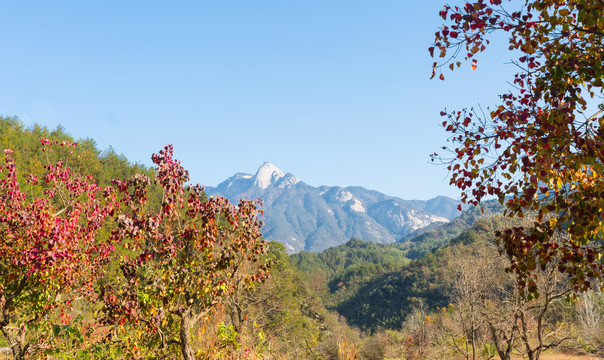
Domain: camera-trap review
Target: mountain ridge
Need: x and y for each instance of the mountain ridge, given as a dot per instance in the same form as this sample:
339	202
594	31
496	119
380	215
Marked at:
303	217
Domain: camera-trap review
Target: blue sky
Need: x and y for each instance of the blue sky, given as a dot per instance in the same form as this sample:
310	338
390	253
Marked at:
336	92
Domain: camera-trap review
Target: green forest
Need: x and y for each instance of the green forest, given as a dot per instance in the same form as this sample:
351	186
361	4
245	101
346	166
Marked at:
100	261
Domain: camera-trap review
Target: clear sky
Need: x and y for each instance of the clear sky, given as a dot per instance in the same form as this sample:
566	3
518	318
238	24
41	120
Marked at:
335	92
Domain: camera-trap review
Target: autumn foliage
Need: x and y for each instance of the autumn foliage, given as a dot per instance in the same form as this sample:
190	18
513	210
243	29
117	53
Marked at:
50	251
541	149
182	260
153	267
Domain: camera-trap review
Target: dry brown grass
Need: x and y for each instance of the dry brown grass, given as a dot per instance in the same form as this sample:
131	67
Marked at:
564	356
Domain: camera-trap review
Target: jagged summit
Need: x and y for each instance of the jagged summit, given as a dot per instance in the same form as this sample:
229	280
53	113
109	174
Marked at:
242	185
267	175
308	218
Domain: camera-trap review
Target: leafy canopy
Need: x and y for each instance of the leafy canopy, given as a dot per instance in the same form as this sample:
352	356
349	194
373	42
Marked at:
183	260
542	148
50	248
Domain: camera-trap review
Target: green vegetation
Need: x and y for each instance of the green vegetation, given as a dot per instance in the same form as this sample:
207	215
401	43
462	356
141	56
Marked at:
86	158
458	301
383	301
339	259
181	273
422	241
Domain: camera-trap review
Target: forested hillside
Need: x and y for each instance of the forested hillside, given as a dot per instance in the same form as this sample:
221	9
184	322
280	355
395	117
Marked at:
128	269
458	290
422	241
105	165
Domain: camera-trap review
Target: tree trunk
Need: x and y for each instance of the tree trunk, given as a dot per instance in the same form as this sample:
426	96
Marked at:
15	345
504	343
473	343
186	347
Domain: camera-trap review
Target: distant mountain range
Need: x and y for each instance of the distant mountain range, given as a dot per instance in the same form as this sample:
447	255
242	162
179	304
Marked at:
304	217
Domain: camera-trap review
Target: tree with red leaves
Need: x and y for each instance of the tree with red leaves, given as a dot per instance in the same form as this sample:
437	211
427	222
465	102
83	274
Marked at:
179	263
50	251
541	149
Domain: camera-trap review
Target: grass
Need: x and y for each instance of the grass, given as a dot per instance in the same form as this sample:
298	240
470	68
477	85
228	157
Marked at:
564	356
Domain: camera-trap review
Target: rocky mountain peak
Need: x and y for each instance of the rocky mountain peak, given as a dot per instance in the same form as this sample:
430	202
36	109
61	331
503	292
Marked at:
267	175
304	217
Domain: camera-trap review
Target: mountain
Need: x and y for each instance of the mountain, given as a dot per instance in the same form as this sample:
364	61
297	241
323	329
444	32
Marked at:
303	217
